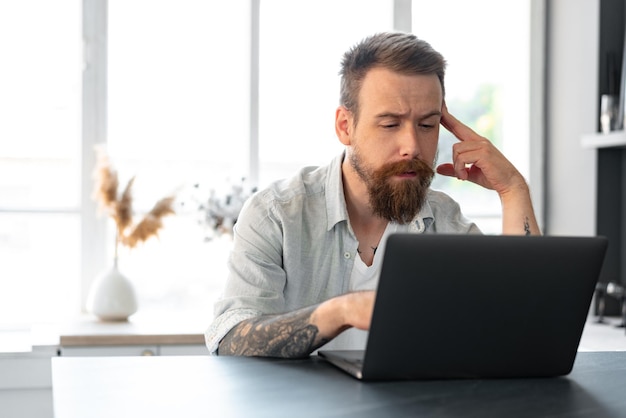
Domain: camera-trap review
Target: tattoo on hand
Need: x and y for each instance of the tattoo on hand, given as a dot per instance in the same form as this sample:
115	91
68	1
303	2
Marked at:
526	226
287	336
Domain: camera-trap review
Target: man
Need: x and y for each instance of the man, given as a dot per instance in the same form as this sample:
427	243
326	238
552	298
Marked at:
307	250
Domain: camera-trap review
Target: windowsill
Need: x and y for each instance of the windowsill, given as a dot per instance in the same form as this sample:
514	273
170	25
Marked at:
143	328
15	340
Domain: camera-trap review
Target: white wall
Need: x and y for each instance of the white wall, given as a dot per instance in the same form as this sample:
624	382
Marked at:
572	82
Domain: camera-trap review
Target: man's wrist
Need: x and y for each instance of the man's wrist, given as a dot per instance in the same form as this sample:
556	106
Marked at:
330	317
517	193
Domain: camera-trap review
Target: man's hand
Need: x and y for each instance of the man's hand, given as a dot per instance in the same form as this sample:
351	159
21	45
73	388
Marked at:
476	159
350	310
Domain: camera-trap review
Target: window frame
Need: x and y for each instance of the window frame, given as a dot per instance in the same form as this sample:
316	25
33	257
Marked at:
93	257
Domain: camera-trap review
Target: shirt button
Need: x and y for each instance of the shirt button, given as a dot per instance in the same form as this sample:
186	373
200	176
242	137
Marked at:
347	255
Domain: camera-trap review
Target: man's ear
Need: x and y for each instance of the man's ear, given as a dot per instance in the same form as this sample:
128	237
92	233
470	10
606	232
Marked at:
343	125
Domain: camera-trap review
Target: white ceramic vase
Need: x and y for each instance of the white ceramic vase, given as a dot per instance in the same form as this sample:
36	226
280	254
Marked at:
112	296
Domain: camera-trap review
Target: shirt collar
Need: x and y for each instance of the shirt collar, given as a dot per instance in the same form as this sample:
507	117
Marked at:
336	210
424	218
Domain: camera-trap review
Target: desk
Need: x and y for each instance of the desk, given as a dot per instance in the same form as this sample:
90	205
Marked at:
254	387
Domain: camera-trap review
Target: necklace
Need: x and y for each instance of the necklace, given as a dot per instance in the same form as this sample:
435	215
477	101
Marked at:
358	250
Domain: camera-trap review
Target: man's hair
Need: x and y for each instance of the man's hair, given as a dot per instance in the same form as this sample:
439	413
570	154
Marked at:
400	52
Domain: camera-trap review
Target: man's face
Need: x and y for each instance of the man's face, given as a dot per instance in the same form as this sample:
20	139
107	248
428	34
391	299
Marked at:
394	144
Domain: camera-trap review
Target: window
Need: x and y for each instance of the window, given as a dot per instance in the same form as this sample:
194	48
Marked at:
487	86
178	115
166	127
299	77
40	81
195	92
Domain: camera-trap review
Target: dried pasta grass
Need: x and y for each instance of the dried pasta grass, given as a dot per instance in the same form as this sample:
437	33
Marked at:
120	208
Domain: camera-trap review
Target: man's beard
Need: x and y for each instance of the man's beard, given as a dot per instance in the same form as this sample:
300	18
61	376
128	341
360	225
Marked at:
400	200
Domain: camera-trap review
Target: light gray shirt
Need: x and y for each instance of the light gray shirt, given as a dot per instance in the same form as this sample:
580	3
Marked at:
293	246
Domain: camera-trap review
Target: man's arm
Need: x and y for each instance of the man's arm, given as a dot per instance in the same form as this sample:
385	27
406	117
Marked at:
476	159
518	215
299	333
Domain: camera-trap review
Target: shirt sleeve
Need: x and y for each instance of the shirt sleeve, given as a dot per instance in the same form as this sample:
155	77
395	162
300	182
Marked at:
256	279
223	324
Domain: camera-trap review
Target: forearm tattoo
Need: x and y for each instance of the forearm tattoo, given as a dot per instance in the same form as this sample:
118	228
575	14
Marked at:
526	226
287	336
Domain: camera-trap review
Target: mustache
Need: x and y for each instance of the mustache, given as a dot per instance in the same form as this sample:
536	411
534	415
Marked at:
419	167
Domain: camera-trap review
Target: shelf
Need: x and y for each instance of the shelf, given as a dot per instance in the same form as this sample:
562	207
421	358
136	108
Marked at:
141	329
615	139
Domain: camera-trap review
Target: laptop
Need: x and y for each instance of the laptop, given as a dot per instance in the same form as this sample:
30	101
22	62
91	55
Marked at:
477	306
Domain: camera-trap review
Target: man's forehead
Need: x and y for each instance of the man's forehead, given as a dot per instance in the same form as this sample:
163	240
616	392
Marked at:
385	82
393	93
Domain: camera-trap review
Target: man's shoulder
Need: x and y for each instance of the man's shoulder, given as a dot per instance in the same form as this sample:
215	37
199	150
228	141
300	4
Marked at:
306	182
440	200
447	215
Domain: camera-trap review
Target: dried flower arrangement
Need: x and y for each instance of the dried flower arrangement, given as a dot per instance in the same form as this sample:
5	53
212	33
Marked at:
218	213
119	206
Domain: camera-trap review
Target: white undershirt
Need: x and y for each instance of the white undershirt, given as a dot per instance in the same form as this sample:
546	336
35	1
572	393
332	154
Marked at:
363	278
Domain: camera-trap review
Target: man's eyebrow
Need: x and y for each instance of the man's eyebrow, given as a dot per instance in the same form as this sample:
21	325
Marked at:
389	115
431	114
399	115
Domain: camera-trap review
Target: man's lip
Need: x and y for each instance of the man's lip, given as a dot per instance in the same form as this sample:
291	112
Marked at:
407	174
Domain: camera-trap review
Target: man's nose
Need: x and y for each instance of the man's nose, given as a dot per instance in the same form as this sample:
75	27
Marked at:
409	142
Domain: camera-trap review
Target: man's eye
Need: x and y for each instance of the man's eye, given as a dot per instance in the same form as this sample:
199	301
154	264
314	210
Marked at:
390	125
426	126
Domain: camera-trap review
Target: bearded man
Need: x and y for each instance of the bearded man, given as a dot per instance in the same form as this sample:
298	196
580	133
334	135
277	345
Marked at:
307	251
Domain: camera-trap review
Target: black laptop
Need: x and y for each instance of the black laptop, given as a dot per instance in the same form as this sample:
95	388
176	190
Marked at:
477	306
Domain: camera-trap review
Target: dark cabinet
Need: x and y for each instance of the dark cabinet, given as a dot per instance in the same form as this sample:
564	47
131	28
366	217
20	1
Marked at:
611	153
